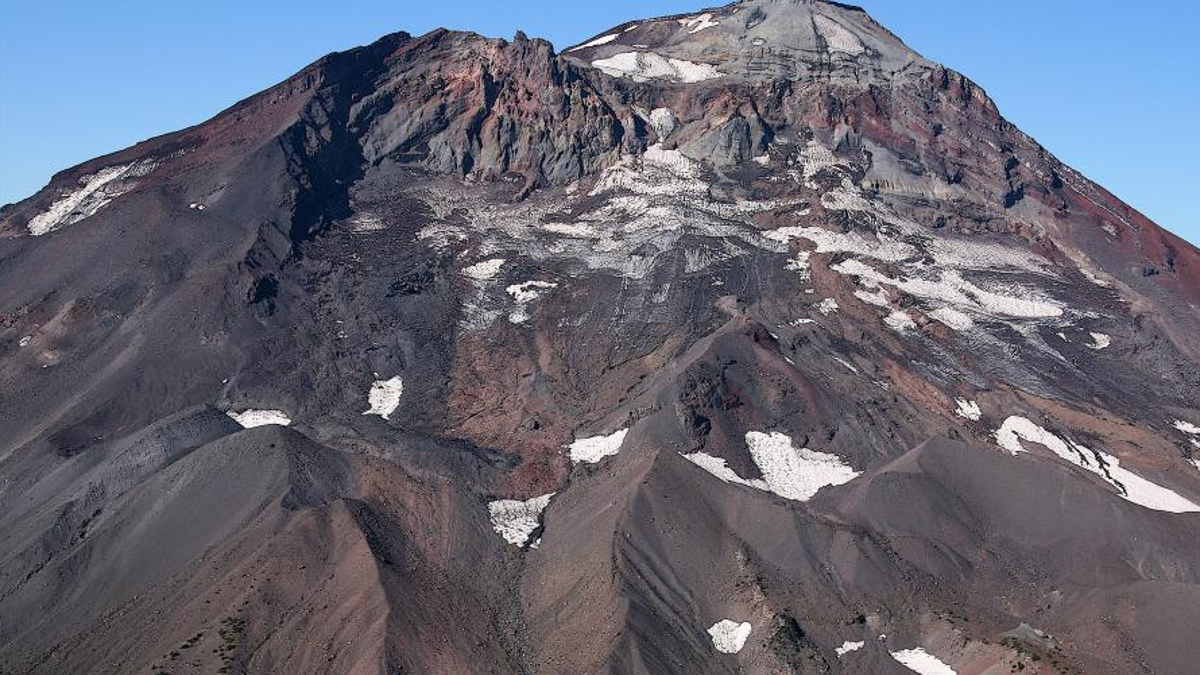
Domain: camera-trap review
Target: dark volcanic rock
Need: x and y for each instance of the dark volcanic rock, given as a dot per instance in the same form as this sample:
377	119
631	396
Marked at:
750	319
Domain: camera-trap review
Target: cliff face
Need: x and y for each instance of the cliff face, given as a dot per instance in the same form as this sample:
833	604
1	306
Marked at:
745	340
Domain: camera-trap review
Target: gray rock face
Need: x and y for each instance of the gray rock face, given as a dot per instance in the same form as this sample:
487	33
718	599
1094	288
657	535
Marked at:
750	316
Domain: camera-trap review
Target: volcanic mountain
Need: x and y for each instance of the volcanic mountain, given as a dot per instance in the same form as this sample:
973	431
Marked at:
745	341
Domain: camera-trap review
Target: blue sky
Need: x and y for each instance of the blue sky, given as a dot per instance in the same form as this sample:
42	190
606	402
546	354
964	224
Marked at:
1112	88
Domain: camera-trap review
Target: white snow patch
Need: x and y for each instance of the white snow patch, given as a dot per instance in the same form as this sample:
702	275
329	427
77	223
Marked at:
1129	485
663	121
848	647
644	66
879	297
827	306
596	43
384	397
950	288
849	366
596	448
95	191
920	661
968	409
528	291
729	636
698	23
952	318
24	342
482	271
259	418
800	265
1186	427
900	321
577	230
1092	277
517	520
366	222
1099	341
523	294
790	472
838	38
844	242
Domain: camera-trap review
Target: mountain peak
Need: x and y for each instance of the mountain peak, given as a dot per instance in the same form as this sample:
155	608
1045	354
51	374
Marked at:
751	40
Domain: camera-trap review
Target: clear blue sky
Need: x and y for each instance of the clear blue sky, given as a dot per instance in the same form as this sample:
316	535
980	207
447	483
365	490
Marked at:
1112	88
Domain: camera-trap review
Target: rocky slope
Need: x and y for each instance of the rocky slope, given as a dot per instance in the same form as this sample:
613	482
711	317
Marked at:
741	341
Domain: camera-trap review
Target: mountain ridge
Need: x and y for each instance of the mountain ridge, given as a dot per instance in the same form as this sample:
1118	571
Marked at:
670	353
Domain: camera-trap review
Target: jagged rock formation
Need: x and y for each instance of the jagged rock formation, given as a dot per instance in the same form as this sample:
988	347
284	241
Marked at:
585	361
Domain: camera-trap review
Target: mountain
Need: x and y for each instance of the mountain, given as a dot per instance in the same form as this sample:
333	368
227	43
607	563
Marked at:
747	340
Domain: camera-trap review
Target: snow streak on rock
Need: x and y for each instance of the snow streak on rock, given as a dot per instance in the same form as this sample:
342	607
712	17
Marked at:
94	192
517	520
729	636
920	661
596	43
596	448
1129	485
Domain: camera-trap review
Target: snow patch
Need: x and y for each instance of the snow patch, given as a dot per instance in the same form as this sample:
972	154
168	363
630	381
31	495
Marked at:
920	661
662	120
24	342
1099	341
800	265
729	636
482	271
949	288
93	193
517	520
596	448
968	409
596	43
1186	427
827	306
523	294
952	318
698	23
259	418
849	366
877	298
790	472
900	321
1130	486
644	66
384	397
844	242
836	37
848	647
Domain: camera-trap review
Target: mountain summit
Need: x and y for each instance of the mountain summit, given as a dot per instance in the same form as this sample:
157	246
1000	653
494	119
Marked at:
747	340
